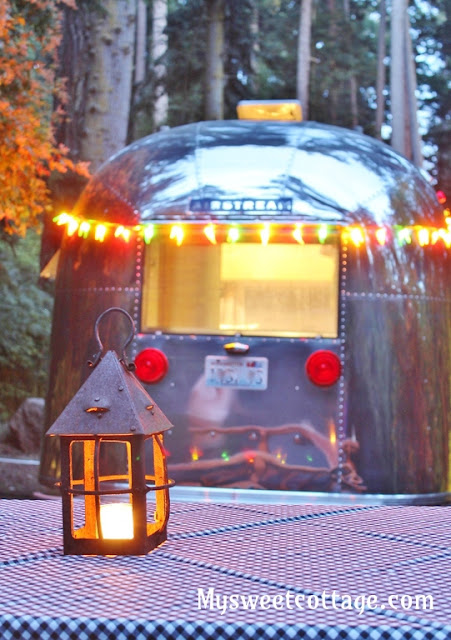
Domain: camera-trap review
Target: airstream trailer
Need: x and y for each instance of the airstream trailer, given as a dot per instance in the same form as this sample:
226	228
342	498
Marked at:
290	285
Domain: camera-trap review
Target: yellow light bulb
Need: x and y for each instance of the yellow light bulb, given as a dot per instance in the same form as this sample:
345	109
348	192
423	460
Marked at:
423	237
100	232
442	234
72	226
122	232
148	233
265	233
323	232
381	235
356	235
84	228
297	234
233	234
210	233
62	218
177	234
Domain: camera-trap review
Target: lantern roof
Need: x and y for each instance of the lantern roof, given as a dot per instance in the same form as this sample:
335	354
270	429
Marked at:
110	402
279	171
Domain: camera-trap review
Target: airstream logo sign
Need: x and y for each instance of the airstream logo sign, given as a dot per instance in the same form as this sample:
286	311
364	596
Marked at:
242	205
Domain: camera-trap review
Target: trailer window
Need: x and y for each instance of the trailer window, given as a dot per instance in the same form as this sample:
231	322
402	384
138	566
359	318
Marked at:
286	290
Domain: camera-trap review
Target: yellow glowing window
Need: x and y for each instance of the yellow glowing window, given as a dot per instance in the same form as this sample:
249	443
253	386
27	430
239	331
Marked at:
278	289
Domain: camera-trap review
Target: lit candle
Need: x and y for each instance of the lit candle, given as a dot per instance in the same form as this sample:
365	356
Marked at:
117	521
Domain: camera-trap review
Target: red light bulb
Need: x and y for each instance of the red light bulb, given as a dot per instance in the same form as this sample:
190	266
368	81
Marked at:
151	365
323	368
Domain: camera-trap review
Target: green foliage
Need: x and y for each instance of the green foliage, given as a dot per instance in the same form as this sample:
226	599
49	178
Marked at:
25	319
187	32
261	61
433	46
277	50
29	37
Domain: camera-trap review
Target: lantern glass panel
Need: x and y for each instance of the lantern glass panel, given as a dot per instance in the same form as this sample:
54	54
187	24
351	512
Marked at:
79	452
156	474
78	463
114	463
105	466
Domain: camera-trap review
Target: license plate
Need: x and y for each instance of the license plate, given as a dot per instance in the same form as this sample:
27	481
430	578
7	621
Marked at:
236	372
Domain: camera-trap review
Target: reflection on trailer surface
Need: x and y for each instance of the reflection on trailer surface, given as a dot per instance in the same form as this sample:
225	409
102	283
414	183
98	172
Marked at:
290	284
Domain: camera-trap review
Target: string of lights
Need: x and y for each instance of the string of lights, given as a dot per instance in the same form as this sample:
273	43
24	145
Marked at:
302	233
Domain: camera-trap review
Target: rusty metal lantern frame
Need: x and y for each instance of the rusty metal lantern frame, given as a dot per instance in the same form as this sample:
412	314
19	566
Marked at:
112	407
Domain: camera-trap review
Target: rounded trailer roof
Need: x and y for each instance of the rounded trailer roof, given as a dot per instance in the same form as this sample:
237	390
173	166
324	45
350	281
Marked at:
221	170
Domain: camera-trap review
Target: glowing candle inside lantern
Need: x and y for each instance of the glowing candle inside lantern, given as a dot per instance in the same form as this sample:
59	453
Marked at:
116	521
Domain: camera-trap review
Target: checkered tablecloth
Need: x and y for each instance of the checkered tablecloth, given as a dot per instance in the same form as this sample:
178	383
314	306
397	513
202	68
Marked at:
235	555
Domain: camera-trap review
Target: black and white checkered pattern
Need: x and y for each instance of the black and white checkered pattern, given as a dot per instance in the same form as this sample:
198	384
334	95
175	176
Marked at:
234	549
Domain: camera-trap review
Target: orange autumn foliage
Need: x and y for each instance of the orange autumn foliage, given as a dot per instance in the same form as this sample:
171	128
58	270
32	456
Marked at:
28	151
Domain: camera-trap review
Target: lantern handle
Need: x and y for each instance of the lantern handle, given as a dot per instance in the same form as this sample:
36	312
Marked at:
98	356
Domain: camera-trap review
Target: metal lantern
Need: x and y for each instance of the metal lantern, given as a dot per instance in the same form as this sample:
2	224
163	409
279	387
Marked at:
114	483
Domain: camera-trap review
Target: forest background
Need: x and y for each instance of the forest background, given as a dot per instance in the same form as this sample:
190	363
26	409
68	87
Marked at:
80	79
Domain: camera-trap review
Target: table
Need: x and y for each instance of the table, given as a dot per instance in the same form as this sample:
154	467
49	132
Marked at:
234	570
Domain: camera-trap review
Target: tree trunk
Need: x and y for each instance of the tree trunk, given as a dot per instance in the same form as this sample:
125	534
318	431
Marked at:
96	65
255	49
74	71
333	94
214	90
353	90
411	81
397	84
111	51
352	79
141	39
405	134
380	79
159	49
304	54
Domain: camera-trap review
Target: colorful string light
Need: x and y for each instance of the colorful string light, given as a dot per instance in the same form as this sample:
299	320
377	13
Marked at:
381	235
148	233
423	237
356	236
210	233
404	236
265	233
441	234
233	234
297	233
123	232
100	232
323	232
72	226
83	229
195	454
177	234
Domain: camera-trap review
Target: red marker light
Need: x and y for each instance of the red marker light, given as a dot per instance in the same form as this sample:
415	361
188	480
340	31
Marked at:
440	197
151	365
323	368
